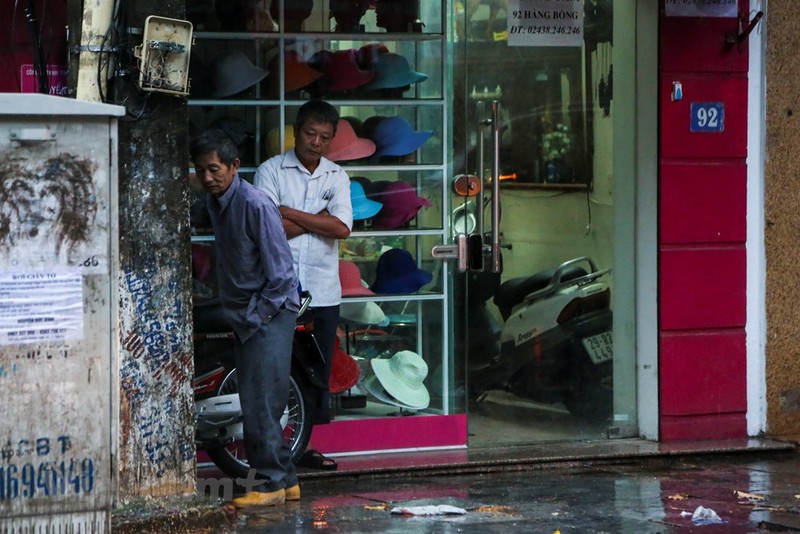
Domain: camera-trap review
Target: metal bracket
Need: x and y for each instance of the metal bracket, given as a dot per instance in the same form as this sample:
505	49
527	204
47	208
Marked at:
623	431
100	49
456	251
30	136
743	31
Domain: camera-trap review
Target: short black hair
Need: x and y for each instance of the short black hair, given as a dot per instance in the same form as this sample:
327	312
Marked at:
211	141
318	111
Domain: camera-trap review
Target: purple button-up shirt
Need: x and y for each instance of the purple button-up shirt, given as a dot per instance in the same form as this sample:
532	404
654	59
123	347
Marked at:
254	263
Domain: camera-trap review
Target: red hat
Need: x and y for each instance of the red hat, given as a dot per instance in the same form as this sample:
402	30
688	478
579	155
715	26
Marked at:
297	72
344	370
400	204
350	279
340	69
368	52
346	145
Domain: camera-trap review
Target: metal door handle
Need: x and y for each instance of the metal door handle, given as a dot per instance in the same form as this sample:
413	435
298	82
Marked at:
495	244
457	251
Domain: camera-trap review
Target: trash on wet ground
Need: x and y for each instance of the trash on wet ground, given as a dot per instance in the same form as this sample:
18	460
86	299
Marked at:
703	516
436	509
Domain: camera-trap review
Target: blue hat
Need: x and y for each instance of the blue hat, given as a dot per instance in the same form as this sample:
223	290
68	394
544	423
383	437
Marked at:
363	208
392	70
394	136
396	272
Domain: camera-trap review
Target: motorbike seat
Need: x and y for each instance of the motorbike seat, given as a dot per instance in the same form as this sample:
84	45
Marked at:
208	317
512	292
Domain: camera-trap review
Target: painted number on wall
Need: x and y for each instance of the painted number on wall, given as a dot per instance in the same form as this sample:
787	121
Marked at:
707	117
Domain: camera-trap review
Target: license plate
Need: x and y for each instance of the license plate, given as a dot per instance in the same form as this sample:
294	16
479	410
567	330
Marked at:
599	347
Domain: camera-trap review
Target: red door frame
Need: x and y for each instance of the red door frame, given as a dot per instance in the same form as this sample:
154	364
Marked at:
702	262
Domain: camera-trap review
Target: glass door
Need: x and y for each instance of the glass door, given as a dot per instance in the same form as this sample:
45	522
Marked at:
534	125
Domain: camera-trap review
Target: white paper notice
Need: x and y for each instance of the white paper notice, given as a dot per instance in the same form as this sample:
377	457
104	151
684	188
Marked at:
38	307
545	22
701	8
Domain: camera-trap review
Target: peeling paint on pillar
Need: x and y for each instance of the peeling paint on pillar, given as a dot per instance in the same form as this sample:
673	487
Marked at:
157	454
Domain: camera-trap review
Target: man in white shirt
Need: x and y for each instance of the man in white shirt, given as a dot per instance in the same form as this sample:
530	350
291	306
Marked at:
313	195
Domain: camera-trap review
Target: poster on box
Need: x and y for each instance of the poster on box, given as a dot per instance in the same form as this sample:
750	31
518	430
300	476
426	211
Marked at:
56	79
545	22
40	307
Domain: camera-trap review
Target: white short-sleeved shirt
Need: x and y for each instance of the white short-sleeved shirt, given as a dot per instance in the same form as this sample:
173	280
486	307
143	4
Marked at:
316	258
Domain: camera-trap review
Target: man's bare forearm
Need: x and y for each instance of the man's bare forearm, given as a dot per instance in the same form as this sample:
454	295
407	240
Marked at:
323	223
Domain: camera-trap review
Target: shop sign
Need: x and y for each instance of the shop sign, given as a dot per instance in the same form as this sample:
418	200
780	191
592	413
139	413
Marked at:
707	117
701	8
56	79
545	22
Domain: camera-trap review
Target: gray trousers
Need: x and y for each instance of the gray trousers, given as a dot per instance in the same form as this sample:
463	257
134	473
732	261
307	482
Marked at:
263	367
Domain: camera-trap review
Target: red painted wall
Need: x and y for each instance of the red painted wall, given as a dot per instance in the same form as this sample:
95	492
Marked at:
702	232
16	47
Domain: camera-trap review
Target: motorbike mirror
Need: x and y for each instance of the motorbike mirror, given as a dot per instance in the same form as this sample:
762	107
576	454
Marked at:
466	185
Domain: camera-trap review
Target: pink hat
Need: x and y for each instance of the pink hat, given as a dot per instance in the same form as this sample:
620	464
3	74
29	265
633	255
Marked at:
350	279
346	145
400	204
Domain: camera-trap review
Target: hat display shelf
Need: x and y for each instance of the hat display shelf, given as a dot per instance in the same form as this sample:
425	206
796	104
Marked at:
384	65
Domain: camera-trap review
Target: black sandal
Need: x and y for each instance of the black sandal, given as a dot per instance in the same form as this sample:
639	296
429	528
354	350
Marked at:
316	460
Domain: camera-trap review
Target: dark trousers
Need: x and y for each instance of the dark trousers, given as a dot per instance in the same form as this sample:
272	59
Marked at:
263	368
326	319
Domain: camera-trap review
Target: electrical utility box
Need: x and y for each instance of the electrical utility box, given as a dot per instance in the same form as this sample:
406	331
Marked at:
164	56
58	313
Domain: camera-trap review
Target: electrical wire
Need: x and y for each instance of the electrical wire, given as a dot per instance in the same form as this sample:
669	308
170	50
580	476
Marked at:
14	43
34	34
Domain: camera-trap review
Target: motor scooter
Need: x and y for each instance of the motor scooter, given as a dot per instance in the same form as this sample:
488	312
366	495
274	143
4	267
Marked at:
217	408
553	342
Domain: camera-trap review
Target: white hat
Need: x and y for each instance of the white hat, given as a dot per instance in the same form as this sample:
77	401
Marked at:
364	313
401	376
374	388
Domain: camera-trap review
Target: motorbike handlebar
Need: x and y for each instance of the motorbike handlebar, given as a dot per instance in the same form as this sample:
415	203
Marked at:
557	281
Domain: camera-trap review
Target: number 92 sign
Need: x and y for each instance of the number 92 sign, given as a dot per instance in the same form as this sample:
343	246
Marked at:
707	117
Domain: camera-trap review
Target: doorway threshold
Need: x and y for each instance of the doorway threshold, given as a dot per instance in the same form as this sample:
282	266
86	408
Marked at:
536	456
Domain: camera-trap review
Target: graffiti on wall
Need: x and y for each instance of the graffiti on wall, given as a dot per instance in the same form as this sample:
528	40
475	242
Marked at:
33	468
155	372
49	203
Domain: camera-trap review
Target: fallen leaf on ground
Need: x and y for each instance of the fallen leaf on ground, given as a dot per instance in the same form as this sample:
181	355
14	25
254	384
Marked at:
377	507
491	508
745	495
678	497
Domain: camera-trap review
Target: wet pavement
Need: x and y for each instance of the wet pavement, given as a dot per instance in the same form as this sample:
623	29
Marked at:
754	489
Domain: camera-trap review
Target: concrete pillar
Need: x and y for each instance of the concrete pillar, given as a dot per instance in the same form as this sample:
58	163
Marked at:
156	438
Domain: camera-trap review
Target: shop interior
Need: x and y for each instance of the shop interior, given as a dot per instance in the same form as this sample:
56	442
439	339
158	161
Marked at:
417	337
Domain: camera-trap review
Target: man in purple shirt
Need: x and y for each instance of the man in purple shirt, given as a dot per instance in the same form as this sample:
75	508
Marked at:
258	291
